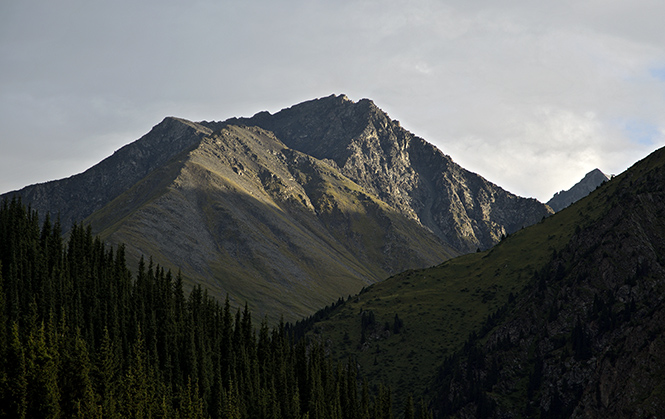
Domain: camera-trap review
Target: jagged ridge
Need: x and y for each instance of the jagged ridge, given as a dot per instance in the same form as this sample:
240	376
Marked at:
411	175
76	197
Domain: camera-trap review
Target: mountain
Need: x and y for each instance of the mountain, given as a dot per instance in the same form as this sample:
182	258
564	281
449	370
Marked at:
584	187
565	318
287	211
587	337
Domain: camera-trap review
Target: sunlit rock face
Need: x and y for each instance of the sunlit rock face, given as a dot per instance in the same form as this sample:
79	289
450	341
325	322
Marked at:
413	176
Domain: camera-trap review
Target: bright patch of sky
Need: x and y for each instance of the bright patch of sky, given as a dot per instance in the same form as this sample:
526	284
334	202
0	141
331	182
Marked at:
643	133
658	73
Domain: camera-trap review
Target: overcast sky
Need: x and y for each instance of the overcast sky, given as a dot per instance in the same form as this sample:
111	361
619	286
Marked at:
529	94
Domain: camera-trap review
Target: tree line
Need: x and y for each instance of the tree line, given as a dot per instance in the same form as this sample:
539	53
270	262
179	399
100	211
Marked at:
81	336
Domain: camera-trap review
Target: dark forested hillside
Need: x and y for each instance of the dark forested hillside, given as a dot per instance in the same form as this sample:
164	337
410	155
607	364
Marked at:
565	318
81	337
586	338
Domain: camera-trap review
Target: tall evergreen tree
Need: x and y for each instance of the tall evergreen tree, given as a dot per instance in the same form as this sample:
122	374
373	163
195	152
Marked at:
15	390
409	408
42	376
107	379
136	400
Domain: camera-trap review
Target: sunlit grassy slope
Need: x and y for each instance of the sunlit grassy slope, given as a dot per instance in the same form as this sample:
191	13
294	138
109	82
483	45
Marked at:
240	213
440	306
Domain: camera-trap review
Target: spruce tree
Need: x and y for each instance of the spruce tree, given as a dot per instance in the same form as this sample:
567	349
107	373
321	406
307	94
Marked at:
42	376
107	367
409	409
15	393
78	397
136	401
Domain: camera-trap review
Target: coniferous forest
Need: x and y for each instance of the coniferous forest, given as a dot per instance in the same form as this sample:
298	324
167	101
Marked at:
81	336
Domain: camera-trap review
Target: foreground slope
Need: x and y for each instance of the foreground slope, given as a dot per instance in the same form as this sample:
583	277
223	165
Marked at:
564	317
248	216
587	339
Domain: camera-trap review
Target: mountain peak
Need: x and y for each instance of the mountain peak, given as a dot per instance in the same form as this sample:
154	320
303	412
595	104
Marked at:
76	197
406	172
584	187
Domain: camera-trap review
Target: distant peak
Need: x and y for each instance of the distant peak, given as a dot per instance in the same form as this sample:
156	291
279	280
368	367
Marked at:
595	173
591	181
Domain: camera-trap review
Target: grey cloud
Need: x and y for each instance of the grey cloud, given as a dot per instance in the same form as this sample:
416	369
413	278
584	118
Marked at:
531	95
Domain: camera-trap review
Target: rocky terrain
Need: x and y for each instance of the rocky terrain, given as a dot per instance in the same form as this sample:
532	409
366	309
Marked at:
413	176
269	225
74	198
565	318
584	187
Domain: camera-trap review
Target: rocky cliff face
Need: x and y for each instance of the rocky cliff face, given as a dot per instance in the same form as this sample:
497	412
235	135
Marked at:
411	175
587	337
584	187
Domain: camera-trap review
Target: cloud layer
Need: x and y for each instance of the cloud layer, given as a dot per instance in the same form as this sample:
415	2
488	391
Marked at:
530	95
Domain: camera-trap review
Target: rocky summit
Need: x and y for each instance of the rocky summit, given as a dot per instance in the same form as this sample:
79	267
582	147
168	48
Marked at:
584	187
287	211
408	173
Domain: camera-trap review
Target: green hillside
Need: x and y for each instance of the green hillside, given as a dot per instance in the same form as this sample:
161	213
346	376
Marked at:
438	308
587	337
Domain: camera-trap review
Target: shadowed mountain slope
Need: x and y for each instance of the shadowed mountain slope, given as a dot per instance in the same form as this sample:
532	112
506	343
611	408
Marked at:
587	337
78	196
563	318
